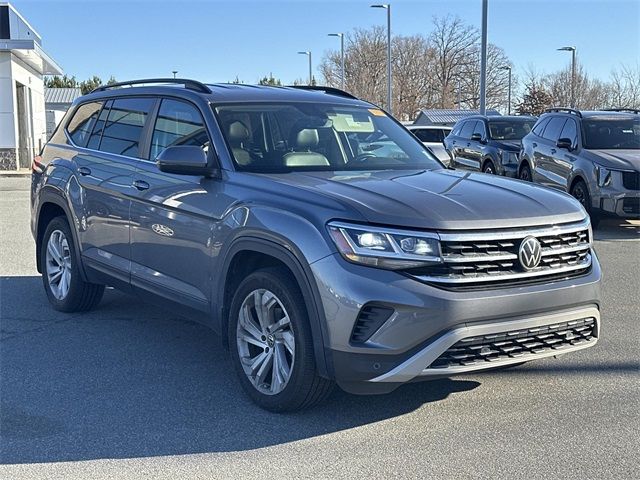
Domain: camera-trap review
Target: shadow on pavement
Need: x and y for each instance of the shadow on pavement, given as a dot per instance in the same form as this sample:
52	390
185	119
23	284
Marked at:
617	229
131	380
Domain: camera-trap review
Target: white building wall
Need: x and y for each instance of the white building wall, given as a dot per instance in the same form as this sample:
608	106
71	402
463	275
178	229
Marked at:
25	75
7	96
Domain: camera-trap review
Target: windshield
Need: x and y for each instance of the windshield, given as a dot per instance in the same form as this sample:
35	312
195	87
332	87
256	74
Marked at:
610	133
510	129
265	137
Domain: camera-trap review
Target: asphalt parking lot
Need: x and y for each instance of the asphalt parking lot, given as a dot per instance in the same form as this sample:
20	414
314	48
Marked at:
132	391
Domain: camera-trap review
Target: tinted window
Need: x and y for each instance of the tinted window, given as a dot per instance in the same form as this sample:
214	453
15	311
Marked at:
121	133
467	128
265	137
553	129
479	128
96	135
178	123
570	131
457	128
612	133
81	124
433	135
539	128
510	129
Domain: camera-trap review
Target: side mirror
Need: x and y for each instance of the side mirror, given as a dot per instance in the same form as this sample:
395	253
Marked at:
476	137
564	143
184	160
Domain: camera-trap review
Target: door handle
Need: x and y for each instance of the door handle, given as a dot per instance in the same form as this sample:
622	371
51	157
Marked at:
534	144
553	151
141	185
84	171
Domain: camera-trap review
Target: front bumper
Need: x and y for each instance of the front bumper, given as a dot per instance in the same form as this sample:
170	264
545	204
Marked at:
427	320
623	204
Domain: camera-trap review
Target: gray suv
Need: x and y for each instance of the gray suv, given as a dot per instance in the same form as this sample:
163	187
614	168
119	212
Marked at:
273	215
593	155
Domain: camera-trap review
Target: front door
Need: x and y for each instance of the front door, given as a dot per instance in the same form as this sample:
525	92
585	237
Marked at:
171	220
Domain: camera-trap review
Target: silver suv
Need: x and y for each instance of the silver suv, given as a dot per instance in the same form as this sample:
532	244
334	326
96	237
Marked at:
313	232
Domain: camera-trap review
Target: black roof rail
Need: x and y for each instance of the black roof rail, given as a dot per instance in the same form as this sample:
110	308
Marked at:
188	84
628	110
564	110
329	90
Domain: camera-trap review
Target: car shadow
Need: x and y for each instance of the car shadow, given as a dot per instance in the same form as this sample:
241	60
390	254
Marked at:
131	380
617	229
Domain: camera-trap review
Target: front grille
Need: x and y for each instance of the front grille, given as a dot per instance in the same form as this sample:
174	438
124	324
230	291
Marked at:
517	343
486	259
631	205
631	180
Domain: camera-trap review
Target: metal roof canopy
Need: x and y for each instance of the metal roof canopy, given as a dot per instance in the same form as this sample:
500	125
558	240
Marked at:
446	116
30	52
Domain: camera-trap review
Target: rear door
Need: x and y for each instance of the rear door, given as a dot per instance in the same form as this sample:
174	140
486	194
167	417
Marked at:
104	170
171	215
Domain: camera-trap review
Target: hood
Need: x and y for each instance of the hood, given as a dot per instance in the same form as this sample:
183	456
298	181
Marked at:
441	199
617	159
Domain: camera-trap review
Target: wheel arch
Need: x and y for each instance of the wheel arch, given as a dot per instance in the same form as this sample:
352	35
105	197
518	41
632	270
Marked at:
248	254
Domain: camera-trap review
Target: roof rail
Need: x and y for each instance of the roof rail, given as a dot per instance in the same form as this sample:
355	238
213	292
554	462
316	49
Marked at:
629	110
564	110
188	84
329	90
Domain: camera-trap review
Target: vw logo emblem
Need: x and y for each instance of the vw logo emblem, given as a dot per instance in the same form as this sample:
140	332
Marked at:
529	253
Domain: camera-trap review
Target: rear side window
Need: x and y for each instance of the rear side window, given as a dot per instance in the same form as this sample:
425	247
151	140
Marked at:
433	135
467	128
123	129
457	128
553	129
96	135
178	123
81	125
539	127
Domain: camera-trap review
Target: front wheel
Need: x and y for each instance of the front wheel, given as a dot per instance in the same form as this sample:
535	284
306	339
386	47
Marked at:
525	173
489	168
63	283
271	343
580	192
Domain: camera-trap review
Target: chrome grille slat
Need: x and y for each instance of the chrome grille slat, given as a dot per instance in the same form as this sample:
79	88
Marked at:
486	259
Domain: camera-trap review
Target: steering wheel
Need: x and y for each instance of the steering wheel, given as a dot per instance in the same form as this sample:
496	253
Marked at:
362	157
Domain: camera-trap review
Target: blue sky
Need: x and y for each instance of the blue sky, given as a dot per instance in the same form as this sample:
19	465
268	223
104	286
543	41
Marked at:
217	40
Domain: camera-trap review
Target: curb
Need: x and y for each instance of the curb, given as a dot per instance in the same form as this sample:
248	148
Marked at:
15	174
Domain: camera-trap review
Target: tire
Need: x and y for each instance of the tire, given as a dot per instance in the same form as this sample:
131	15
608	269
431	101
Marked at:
525	173
297	384
580	192
489	168
63	283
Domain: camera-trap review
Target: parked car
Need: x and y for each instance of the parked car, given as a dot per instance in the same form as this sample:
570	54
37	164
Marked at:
432	137
488	144
593	155
264	212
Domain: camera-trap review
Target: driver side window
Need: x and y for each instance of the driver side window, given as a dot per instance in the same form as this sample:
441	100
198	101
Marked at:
178	123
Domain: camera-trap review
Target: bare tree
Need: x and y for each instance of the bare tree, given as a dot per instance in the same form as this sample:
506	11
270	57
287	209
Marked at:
625	87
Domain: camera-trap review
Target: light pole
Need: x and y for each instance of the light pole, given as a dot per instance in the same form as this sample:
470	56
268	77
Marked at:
174	73
573	73
310	73
483	60
342	74
508	67
387	6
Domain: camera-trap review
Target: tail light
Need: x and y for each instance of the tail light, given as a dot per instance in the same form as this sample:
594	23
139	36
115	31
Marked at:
37	166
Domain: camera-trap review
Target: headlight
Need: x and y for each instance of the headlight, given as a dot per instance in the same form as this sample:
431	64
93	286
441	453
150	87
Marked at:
509	157
384	247
604	176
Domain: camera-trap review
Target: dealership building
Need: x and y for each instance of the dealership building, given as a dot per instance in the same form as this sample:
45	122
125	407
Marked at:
23	63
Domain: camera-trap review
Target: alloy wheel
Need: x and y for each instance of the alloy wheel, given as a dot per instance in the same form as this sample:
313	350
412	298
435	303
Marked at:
265	340
58	264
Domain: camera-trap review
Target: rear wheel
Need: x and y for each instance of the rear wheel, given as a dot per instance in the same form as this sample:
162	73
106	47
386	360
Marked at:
525	173
580	192
271	343
65	288
489	168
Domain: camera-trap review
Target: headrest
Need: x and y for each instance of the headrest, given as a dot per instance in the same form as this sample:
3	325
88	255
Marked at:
238	132
307	138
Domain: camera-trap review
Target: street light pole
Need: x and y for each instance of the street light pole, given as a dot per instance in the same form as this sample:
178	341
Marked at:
307	53
174	73
342	72
387	6
573	73
483	60
508	67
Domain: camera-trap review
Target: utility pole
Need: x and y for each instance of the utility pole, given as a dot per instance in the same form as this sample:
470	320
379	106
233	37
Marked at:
573	73
387	7
308	54
342	72
483	60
